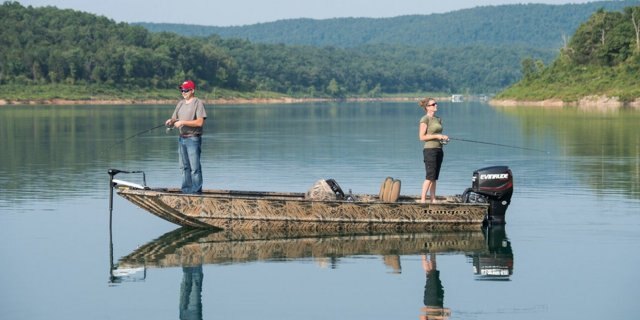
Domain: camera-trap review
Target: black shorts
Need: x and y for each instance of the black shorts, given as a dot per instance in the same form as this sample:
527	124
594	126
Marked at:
432	162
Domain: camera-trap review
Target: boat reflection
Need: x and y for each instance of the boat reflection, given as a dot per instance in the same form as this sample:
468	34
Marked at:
189	248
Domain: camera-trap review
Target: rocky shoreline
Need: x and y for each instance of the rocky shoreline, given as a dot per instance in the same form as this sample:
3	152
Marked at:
590	102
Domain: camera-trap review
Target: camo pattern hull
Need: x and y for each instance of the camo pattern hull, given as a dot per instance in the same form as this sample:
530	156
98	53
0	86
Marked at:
247	210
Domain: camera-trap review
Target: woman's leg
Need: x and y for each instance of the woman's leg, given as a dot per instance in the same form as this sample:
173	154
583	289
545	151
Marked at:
426	185
433	191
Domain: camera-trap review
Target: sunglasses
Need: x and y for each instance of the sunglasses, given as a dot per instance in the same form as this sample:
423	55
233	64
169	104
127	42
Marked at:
184	91
433	104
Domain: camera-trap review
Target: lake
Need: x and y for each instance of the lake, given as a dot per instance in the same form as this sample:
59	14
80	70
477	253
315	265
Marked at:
569	249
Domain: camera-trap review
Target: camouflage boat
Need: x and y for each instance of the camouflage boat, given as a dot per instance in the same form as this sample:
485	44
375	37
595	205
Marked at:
326	207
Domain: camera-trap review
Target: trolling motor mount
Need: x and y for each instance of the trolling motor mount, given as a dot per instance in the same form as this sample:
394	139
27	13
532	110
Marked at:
113	182
493	185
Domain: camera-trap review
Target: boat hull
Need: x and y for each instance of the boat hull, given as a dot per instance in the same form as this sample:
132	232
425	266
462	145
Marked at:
248	210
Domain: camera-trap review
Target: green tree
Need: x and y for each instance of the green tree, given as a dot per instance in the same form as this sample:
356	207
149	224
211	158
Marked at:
333	89
633	13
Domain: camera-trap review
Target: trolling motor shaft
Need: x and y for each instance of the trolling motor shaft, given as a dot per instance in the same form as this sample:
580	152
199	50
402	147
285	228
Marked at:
113	182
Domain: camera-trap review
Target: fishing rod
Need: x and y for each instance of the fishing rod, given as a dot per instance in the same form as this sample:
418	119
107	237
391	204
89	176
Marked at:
135	135
497	144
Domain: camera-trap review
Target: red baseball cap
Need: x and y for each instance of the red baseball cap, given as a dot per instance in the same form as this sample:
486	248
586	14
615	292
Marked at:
187	85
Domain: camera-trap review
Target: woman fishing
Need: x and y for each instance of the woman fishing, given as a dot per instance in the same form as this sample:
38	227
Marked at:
430	131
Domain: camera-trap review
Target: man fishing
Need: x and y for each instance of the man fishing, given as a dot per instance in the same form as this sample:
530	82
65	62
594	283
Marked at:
189	117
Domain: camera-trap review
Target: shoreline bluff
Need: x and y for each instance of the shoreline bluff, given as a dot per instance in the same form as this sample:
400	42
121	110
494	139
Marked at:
589	102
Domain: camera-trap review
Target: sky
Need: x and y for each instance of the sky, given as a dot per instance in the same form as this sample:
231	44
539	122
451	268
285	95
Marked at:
245	12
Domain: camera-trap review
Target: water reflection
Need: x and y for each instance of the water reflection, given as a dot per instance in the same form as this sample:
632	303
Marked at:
191	293
497	262
602	146
433	291
52	152
190	249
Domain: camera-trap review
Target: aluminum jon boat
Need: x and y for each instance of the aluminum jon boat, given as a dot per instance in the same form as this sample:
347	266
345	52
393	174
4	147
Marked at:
326	207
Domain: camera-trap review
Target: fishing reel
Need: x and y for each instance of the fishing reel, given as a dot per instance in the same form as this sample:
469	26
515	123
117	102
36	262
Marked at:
444	141
170	126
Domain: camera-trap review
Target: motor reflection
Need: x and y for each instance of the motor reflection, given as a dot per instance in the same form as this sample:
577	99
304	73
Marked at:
496	263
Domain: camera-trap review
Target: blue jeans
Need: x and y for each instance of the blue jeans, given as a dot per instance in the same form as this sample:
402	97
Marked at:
189	155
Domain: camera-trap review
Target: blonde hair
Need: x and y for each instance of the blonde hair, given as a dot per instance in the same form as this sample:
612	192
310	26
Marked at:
425	102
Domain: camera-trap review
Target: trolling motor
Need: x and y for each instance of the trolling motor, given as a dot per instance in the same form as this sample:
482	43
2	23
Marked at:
492	185
114	182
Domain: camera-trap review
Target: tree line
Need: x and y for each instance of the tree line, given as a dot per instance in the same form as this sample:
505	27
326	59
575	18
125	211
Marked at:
41	46
48	45
525	25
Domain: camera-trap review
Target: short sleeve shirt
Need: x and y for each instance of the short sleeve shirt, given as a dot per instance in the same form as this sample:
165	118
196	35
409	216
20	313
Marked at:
190	111
434	126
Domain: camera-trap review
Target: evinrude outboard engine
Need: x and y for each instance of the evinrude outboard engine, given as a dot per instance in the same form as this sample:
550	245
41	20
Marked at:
493	185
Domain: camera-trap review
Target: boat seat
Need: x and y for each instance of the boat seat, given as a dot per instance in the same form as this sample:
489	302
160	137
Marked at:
383	187
390	190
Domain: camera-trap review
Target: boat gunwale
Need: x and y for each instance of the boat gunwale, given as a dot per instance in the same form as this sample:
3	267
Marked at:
255	210
286	196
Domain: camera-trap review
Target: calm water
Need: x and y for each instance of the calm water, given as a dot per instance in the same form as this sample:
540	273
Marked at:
569	249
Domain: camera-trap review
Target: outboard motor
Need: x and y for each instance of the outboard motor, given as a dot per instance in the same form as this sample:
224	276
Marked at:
493	185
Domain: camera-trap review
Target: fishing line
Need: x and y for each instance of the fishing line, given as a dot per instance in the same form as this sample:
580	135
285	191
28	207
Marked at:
498	144
135	135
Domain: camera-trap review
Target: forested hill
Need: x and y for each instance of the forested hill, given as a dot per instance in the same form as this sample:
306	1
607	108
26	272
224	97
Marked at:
46	49
602	59
51	47
527	25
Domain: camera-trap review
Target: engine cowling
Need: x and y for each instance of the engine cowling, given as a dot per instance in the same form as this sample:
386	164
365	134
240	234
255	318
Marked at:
493	185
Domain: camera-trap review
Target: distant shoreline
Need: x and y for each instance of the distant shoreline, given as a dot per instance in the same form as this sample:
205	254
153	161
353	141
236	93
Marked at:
147	101
596	102
284	100
590	102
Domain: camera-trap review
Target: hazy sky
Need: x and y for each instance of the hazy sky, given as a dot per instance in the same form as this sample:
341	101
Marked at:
241	12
